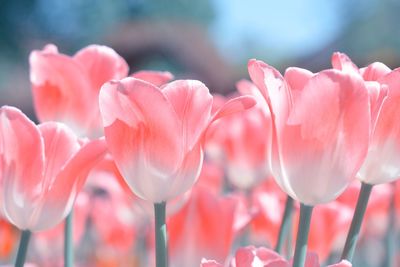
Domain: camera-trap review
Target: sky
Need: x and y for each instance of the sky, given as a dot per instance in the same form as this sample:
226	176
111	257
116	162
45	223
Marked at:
286	28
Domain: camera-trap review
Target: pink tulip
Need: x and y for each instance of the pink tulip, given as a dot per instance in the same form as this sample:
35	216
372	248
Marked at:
120	241
28	264
210	263
246	141
382	164
112	204
321	129
205	227
397	197
331	222
211	177
42	169
376	214
48	244
268	201
65	89
215	136
158	78
156	135
263	257
9	239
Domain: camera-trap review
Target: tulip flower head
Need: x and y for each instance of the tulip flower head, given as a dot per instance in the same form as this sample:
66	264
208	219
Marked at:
66	89
246	139
42	169
156	134
205	227
321	129
382	164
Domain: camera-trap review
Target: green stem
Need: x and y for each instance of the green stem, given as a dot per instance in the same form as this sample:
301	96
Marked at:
68	241
161	235
285	224
289	244
300	252
23	248
391	233
355	226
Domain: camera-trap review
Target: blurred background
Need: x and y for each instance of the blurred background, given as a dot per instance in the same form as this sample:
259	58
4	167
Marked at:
209	40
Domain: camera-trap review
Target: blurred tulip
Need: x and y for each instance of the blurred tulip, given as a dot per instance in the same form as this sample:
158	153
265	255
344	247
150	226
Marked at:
49	246
42	169
268	203
211	177
331	222
66	89
118	242
28	264
205	227
321	129
8	240
263	257
246	142
110	203
215	135
156	134
377	209
157	78
210	263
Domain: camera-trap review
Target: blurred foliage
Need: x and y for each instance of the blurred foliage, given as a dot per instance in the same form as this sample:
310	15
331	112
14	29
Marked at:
368	31
77	22
374	28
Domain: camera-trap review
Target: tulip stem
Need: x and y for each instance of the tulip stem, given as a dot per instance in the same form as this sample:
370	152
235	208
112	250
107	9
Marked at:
300	252
68	242
355	226
391	233
285	224
289	244
23	248
161	235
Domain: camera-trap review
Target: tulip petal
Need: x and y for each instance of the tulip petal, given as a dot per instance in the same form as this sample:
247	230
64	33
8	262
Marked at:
332	139
341	61
377	97
60	145
102	64
297	78
232	106
143	133
277	93
157	78
192	102
60	89
262	74
392	81
209	263
20	169
188	173
60	197
343	263
246	87
341	93
382	162
202	228
374	71
388	125
312	260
